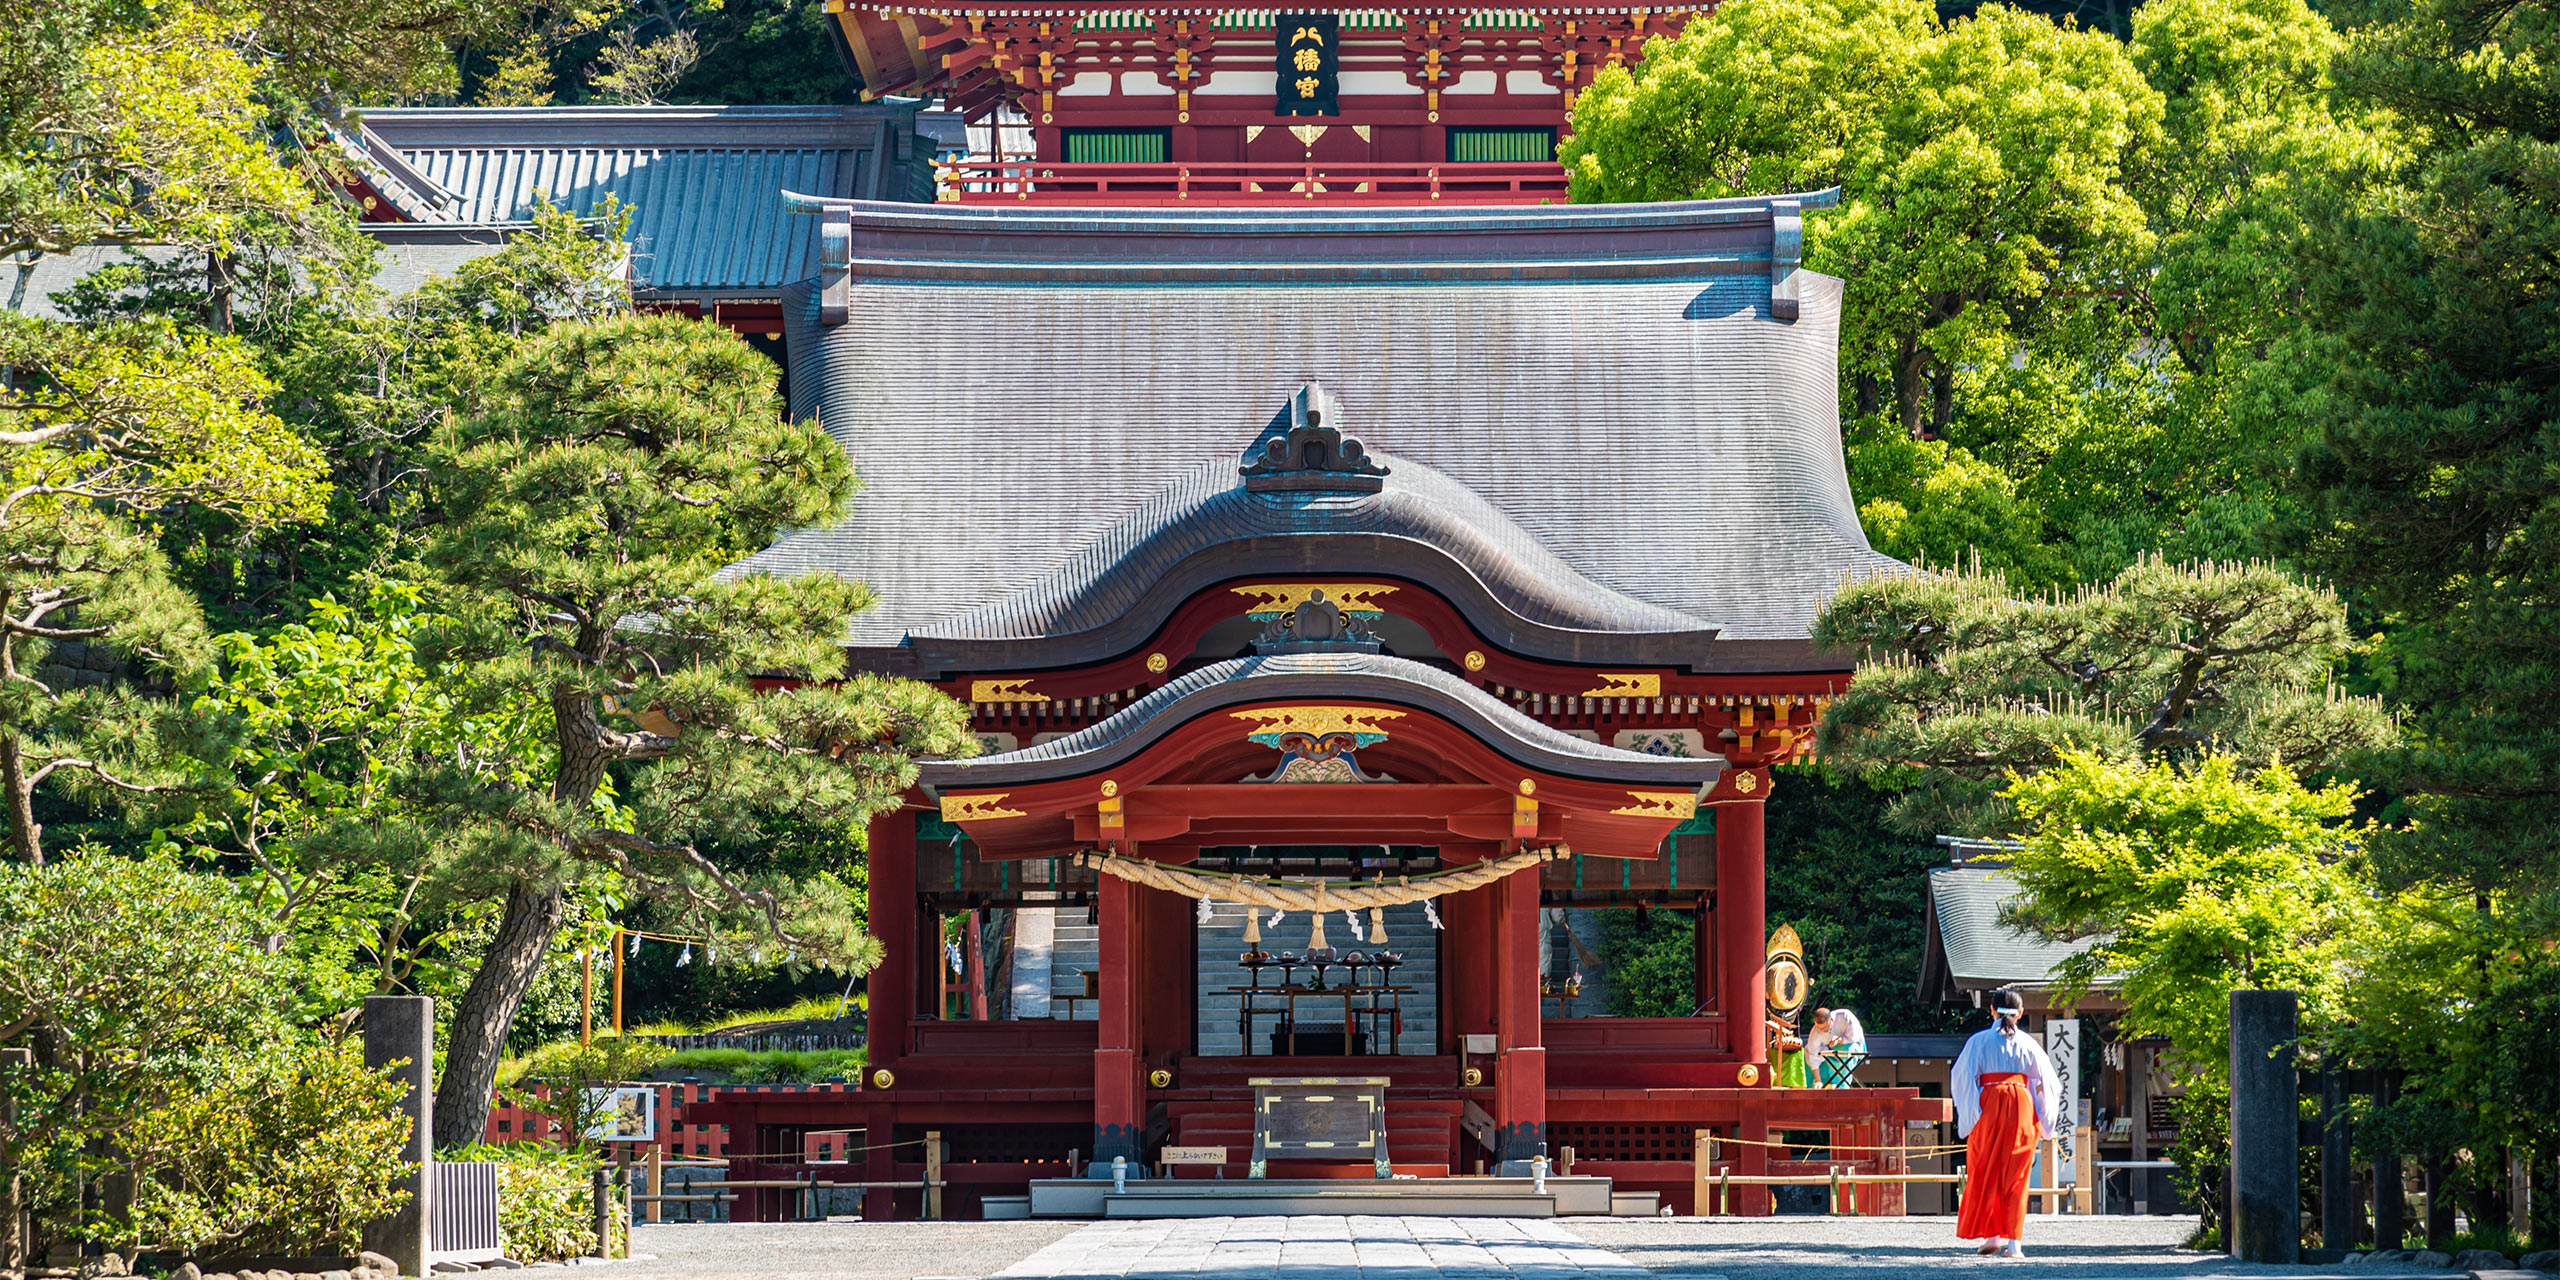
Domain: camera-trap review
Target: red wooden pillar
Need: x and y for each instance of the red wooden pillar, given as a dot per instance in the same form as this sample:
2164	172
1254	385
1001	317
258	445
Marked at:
1117	1116
1742	924
893	922
1467	965
880	1163
1742	921
1520	1072
1752	1158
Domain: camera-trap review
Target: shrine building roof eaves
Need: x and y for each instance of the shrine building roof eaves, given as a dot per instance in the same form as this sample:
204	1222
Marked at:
703	184
1365	677
1641	412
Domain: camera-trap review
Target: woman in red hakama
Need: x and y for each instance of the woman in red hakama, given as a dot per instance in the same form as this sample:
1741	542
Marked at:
2005	1091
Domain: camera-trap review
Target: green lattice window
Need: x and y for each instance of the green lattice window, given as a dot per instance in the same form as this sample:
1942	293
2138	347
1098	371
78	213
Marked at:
1517	145
1119	146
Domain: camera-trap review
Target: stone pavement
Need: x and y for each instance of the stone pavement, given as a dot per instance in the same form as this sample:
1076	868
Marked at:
1367	1248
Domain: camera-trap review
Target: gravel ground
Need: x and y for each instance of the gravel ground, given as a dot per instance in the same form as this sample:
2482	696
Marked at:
1799	1248
839	1250
1788	1248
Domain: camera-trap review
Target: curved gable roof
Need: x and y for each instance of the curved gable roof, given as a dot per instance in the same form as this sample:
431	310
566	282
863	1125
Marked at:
1208	527
1367	677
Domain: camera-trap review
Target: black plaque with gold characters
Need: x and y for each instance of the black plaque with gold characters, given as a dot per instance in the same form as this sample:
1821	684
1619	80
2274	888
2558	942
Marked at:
1310	64
1320	1118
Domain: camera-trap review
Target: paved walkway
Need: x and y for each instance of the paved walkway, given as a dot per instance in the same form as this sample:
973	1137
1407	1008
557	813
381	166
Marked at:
1407	1248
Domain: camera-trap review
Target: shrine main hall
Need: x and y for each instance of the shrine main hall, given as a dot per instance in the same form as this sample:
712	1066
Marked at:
1345	597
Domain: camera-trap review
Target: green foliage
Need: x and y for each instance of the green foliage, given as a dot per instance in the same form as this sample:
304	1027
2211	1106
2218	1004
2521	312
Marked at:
1960	686
1650	962
769	1066
546	1211
98	423
1855	892
291	1151
151	1000
2062	255
2197	881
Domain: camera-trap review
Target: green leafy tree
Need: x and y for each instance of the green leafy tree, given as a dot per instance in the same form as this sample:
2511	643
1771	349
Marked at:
97	425
2426	487
1981	164
582	525
1960	687
144	990
2193	881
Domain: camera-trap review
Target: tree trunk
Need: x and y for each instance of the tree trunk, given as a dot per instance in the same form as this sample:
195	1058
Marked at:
1911	387
487	1010
1870	395
1942	401
2439	1177
26	836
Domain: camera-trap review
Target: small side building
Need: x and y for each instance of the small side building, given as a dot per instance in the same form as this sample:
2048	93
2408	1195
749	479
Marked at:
1968	953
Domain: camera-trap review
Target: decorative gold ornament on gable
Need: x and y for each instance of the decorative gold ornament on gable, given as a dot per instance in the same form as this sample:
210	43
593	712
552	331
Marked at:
1004	691
978	808
1682	805
1270	724
1271	599
1627	685
1746	782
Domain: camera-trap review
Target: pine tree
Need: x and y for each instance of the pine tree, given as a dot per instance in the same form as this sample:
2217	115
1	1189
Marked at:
584	525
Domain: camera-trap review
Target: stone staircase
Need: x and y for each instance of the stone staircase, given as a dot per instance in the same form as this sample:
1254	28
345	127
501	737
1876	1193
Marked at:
1409	934
1075	949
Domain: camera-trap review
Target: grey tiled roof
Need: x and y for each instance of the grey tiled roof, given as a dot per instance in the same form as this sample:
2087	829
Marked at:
1979	951
1367	676
1609	378
704	183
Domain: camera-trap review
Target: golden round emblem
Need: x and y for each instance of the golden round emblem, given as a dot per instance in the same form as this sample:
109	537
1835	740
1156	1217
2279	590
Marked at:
1748	1075
1746	782
1110	788
1157	662
1160	1078
1471	1077
881	1079
1475	659
1528	786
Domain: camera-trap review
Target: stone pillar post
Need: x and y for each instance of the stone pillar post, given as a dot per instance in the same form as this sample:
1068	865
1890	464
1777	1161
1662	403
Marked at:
2266	1134
402	1030
2341	1211
1520	1072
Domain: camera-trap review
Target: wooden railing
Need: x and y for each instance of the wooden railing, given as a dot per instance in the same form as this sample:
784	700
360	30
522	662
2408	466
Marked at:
1236	183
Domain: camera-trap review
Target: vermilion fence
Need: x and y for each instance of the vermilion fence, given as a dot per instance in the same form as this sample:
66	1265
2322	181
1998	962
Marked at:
509	1123
1236	183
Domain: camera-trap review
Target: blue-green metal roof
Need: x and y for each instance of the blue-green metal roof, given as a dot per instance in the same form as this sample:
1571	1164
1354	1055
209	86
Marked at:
703	184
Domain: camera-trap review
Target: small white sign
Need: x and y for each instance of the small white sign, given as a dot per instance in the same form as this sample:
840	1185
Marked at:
1195	1155
2062	1044
625	1114
1477	1044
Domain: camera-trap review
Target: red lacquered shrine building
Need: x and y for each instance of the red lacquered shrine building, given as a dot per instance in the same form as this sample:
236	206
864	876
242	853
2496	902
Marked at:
1222	106
1453	562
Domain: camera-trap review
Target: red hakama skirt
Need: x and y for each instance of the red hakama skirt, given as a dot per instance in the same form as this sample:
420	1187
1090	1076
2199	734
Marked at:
1998	1158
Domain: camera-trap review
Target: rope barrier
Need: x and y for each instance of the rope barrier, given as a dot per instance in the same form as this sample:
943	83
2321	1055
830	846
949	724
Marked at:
1936	1150
1315	897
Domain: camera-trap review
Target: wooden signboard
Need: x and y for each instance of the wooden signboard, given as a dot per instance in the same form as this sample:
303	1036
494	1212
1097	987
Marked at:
1319	1118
